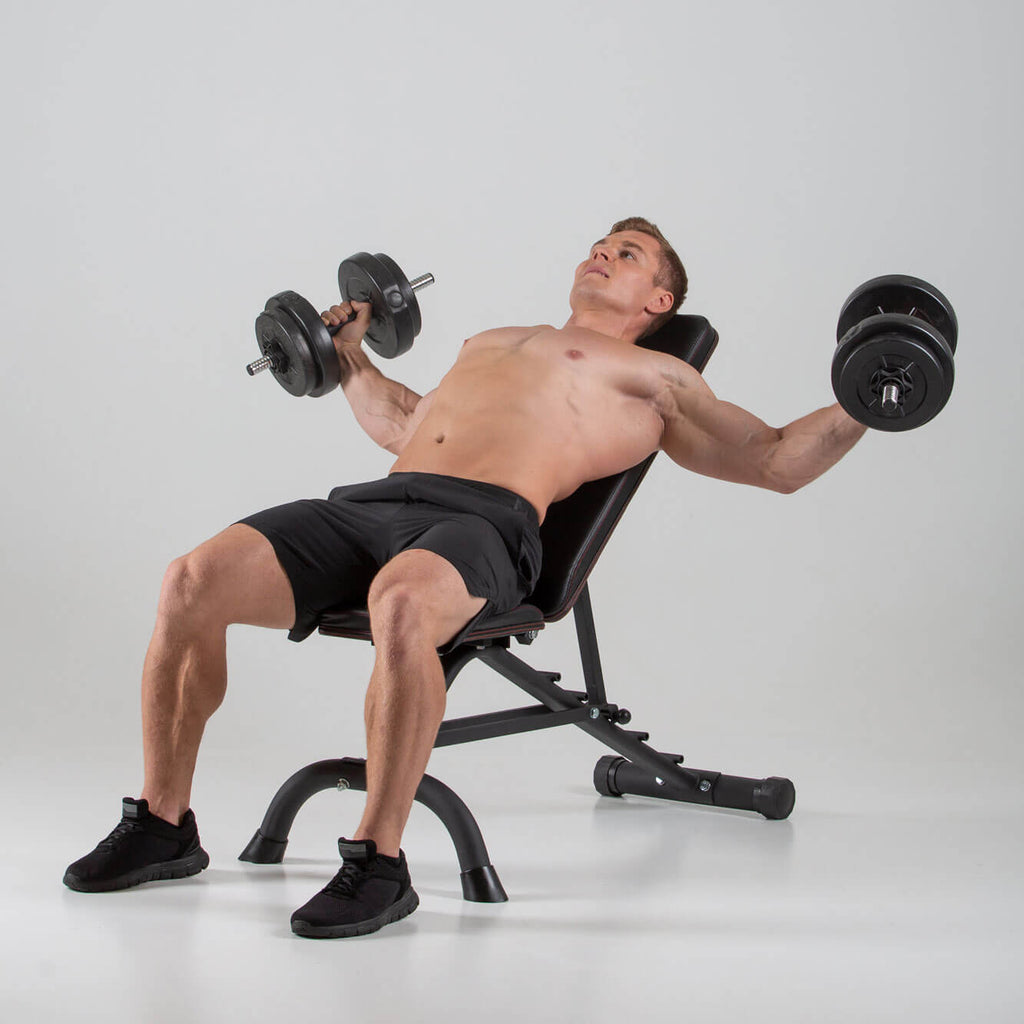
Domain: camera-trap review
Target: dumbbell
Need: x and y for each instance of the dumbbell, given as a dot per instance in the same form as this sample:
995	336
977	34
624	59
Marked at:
893	364
296	345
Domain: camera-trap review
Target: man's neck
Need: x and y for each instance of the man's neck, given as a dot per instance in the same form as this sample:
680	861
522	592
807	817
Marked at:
607	322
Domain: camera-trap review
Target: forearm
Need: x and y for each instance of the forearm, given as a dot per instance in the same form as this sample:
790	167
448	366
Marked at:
809	446
382	406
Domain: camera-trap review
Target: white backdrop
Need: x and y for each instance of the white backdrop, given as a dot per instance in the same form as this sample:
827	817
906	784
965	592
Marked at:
167	167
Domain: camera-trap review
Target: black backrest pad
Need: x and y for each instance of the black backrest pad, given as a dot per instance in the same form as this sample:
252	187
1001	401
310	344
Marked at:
575	530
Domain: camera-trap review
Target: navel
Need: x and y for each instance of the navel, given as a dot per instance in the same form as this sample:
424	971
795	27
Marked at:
574	353
439	438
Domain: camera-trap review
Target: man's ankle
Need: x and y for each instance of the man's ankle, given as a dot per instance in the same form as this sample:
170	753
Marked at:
384	848
166	810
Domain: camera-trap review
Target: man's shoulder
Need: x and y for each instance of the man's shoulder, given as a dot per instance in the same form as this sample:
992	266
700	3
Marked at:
505	335
668	364
524	328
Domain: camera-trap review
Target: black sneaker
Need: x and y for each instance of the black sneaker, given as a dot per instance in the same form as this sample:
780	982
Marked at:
368	892
143	848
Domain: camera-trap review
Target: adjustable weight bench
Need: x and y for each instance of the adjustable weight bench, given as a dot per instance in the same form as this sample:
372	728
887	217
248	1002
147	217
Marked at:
573	534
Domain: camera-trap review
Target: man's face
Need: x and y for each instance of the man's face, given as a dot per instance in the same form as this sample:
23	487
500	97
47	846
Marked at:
619	273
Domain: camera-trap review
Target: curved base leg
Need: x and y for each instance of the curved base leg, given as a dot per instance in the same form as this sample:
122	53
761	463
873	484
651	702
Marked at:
480	883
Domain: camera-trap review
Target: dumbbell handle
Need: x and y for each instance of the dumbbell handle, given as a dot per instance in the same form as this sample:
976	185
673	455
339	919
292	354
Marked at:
265	362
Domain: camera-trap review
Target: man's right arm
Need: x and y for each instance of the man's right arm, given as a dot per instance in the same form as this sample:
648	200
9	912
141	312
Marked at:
383	407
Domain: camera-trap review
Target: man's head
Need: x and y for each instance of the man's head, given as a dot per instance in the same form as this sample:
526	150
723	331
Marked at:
632	269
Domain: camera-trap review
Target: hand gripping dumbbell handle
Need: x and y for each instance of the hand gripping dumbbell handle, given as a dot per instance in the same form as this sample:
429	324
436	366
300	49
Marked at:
264	362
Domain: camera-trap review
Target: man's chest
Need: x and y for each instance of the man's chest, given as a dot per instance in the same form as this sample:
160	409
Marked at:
549	362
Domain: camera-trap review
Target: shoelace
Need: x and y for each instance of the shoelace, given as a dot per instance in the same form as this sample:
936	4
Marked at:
123	828
345	881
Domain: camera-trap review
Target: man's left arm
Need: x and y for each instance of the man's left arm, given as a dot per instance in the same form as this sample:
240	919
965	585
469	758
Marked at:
812	444
721	440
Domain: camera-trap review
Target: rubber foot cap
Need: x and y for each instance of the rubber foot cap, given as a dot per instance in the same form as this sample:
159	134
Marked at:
774	798
481	885
262	850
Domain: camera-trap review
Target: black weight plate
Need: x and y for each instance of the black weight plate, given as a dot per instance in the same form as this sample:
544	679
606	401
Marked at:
360	279
892	344
325	355
280	336
405	289
897	293
365	278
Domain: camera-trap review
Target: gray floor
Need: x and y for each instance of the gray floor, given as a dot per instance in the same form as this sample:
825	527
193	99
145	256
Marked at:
870	903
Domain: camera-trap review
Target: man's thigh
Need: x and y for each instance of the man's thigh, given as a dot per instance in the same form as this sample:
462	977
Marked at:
237	577
330	552
472	545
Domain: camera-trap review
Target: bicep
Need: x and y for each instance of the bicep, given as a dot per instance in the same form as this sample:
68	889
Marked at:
418	411
716	438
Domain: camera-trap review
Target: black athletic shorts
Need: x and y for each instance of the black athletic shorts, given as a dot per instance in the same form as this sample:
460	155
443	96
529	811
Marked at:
332	548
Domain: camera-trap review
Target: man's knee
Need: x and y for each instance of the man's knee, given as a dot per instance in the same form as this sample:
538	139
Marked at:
188	586
233	577
419	597
397	606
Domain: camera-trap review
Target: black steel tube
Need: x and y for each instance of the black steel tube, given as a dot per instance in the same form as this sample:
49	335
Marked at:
679	782
503	723
455	661
267	846
773	797
586	636
272	835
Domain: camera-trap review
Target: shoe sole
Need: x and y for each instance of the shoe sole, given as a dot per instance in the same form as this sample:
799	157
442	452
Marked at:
403	908
182	868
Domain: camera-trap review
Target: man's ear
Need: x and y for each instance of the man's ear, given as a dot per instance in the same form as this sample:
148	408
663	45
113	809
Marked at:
661	303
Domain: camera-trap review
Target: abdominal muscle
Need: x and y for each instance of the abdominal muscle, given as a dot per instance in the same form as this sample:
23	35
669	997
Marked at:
538	411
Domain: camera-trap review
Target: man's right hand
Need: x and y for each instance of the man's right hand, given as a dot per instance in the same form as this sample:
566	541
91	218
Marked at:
352	333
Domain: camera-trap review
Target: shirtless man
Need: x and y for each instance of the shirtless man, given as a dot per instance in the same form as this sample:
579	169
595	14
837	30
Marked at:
523	418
